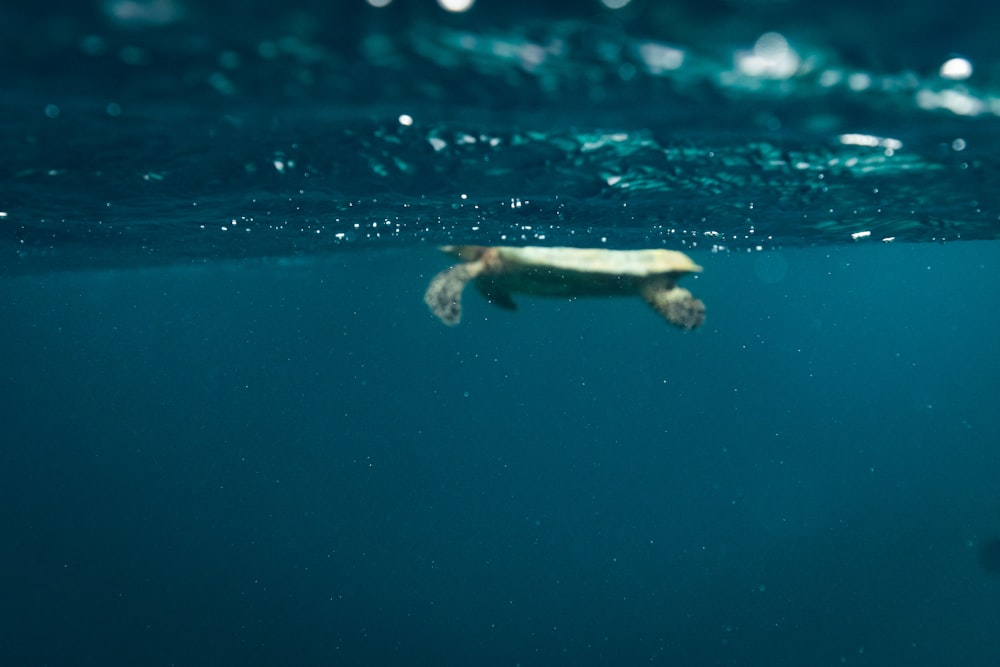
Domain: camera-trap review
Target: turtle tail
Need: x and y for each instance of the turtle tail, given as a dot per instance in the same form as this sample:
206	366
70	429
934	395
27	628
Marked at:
444	294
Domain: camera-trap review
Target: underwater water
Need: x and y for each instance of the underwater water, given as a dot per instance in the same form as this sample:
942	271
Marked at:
234	434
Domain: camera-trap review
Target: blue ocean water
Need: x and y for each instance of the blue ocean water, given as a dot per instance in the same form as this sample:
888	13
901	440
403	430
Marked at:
233	433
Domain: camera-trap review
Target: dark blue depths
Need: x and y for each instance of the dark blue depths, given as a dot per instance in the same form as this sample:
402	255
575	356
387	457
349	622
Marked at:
264	464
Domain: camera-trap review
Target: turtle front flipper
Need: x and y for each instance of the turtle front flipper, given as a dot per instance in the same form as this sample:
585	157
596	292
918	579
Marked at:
495	295
444	294
676	304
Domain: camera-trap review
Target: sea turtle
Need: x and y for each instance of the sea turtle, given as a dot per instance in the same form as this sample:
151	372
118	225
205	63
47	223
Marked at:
499	271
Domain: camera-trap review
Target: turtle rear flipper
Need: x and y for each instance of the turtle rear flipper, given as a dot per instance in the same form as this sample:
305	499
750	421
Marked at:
444	294
675	304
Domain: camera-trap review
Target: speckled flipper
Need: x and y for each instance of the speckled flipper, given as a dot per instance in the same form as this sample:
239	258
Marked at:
676	304
444	294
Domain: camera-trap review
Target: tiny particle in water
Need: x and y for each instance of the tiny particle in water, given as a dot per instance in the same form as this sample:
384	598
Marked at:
93	45
229	60
132	55
267	50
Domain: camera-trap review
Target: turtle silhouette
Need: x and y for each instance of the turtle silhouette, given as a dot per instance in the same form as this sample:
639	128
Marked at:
500	271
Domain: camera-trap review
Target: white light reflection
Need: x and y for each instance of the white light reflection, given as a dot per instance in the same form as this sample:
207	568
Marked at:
456	5
772	57
141	13
957	102
956	69
379	3
888	143
660	58
615	4
858	81
830	77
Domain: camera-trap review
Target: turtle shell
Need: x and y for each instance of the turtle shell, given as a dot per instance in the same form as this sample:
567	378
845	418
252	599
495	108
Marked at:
600	261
